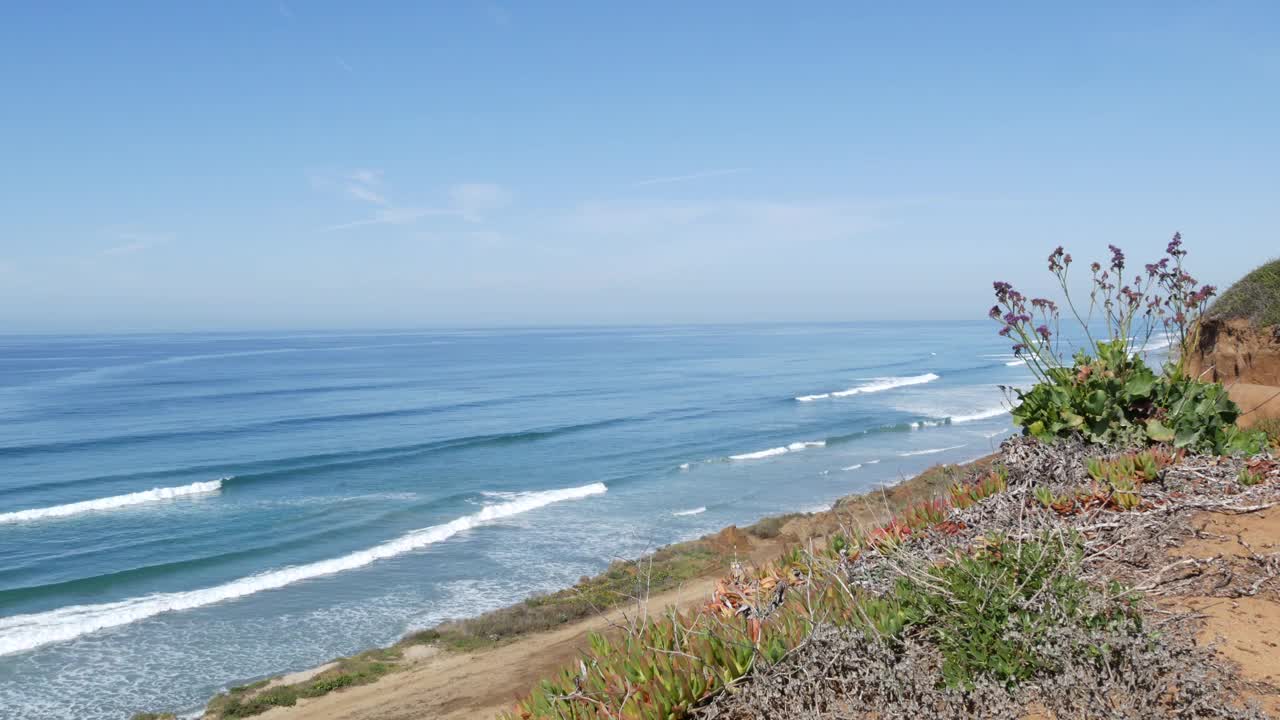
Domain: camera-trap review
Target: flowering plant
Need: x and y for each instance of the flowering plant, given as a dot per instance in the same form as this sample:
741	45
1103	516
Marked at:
1106	392
1165	298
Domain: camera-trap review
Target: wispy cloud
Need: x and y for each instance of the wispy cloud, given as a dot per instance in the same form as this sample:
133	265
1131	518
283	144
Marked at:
390	216
134	242
691	176
346	66
472	201
285	12
367	194
742	222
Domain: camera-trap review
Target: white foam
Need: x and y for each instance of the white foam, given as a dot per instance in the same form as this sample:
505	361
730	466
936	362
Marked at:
112	503
927	423
851	467
877	385
760	454
695	511
872	462
684	466
930	451
1015	363
24	632
1155	344
980	415
997	433
772	452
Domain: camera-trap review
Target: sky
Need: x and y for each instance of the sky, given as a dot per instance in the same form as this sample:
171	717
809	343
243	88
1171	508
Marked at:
277	165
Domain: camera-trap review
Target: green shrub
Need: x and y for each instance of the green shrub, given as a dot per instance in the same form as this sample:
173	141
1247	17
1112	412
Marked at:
1107	393
991	613
1116	399
1255	297
1271	428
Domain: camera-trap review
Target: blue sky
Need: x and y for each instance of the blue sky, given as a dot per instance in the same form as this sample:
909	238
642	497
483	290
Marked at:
187	166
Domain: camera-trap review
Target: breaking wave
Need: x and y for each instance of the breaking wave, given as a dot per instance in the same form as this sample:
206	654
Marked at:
24	632
930	451
694	511
771	452
877	385
112	503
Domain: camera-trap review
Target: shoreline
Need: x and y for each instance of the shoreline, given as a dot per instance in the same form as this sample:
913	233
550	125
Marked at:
524	641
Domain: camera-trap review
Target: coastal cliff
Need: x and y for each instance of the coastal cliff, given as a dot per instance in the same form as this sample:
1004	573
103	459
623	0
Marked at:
1239	345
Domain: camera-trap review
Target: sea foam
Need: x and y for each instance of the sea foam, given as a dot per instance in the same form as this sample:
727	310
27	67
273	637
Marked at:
24	632
980	415
771	452
112	503
878	385
694	511
930	451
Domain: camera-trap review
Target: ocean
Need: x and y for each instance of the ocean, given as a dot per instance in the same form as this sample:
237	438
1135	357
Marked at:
183	513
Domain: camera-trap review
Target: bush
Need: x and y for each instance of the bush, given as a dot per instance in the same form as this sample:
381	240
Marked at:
1107	393
992	613
1255	297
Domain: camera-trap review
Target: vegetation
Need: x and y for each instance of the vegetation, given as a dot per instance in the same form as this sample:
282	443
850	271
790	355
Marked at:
990	612
663	668
259	697
1271	428
1107	393
1255	297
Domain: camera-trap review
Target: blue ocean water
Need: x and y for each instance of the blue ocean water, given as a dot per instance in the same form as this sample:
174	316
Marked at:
181	513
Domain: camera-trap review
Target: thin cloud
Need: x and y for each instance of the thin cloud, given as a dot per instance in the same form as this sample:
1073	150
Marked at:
366	176
285	12
473	200
134	243
346	67
363	192
470	201
691	176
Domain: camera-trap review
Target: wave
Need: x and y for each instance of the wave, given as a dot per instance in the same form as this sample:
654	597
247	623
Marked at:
1015	363
759	454
878	385
851	467
771	452
980	415
112	503
930	451
695	511
19	633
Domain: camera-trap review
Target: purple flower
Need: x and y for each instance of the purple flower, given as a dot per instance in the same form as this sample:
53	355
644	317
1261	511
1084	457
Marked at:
1175	246
994	313
1055	259
1043	331
1067	259
1010	319
1095	267
1019	348
1004	331
1002	289
1117	258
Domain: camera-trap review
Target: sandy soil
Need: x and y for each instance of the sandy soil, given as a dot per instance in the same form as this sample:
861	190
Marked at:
1244	630
458	686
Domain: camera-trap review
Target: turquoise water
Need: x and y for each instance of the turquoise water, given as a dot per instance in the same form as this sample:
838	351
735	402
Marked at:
181	513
